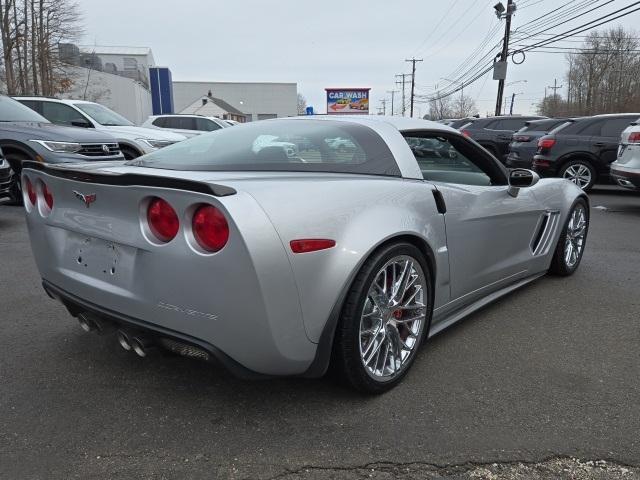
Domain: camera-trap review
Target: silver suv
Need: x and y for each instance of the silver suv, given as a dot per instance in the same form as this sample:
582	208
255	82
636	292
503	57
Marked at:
26	135
626	169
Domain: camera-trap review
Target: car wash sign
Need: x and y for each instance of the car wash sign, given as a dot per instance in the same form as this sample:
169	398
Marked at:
347	100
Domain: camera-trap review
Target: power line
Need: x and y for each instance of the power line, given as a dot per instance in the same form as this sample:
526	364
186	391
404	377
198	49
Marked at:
582	28
463	30
552	16
572	18
437	26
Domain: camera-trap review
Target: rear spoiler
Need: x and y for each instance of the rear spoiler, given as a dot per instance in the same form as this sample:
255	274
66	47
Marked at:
85	175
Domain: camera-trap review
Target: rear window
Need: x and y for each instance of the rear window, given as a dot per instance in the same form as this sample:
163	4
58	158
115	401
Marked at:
160	122
508	124
280	145
542	125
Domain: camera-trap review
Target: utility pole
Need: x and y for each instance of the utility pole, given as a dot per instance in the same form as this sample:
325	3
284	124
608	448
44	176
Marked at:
505	51
513	97
393	94
384	106
404	103
555	95
413	80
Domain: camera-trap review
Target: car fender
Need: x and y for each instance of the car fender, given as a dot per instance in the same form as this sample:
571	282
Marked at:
131	146
360	215
11	146
557	194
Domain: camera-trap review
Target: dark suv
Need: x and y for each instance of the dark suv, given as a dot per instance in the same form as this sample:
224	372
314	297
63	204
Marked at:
494	133
25	135
582	149
524	143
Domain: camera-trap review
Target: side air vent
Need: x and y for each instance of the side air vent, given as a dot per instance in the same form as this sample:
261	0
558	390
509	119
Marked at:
545	233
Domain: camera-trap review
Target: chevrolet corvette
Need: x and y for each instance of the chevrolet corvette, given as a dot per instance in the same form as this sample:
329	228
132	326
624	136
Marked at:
227	248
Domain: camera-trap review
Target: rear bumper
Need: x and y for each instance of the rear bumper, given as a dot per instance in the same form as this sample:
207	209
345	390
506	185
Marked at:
625	176
544	166
76	305
513	161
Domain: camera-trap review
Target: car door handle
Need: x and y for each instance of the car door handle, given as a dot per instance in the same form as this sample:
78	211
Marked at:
599	144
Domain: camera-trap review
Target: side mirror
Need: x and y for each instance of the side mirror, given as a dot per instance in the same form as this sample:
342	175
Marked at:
521	178
81	123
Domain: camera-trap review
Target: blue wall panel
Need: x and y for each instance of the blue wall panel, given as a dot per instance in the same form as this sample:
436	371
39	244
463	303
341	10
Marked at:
161	90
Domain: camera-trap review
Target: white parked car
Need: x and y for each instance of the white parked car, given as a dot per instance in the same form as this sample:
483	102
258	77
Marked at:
133	140
187	125
625	171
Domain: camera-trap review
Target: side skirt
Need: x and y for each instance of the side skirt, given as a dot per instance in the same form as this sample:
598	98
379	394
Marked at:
457	315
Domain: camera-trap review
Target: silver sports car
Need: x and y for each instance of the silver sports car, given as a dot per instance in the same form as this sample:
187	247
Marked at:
226	247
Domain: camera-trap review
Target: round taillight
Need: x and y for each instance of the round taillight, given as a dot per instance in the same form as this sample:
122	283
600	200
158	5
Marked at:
210	228
47	195
31	191
162	220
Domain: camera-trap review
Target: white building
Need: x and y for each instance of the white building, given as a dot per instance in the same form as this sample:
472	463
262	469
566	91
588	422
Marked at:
209	106
130	62
257	100
124	95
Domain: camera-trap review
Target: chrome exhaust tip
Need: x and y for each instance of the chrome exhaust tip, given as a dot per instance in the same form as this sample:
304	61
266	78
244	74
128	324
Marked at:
87	323
124	341
92	323
624	183
141	345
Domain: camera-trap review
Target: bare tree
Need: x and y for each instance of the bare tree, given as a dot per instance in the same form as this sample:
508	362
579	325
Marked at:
302	104
464	106
553	106
604	77
440	107
31	31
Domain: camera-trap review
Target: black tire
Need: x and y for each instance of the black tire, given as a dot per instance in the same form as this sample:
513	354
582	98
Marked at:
577	164
347	359
15	192
559	264
129	153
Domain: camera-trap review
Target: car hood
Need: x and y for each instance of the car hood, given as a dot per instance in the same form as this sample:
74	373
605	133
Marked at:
133	132
60	133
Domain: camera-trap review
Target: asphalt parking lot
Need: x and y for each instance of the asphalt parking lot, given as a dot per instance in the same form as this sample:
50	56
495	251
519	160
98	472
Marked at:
542	384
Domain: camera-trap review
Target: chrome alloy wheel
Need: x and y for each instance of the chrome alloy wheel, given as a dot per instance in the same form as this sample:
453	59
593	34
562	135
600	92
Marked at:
393	317
576	232
578	174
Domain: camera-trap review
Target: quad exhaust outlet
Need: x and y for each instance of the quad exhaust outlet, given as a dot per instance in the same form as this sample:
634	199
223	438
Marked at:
135	341
91	323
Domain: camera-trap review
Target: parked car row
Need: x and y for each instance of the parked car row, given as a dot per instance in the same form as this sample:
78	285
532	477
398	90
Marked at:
52	130
584	150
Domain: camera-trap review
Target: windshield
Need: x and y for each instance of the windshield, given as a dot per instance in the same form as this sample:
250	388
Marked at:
13	111
103	115
281	145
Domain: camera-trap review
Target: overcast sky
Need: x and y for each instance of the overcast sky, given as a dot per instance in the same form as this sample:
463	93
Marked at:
329	43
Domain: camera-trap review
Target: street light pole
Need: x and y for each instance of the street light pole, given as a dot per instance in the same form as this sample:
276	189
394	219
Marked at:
505	51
